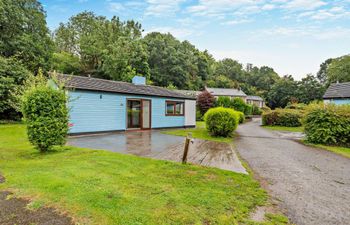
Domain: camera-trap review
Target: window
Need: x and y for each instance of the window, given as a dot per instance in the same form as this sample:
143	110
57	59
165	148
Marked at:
174	108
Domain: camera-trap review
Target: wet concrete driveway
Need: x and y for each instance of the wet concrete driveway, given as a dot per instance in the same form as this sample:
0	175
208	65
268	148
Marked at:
155	144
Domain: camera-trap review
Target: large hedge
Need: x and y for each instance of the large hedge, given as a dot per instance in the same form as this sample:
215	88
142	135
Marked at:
328	124
282	117
221	121
46	114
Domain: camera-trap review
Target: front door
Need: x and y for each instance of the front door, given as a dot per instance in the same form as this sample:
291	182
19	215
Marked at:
139	113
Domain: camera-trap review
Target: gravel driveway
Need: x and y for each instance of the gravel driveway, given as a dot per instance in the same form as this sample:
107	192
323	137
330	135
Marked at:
312	186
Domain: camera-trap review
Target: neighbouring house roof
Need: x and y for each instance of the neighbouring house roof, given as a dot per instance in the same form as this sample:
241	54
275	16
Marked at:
254	98
189	92
95	84
226	92
338	90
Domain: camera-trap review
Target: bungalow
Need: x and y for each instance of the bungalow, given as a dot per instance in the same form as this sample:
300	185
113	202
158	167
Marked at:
98	105
236	93
338	93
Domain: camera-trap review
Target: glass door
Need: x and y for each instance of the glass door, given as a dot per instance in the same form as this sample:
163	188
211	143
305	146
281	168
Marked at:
134	113
146	114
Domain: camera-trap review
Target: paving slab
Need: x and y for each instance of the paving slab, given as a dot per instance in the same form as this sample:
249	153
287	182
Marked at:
154	144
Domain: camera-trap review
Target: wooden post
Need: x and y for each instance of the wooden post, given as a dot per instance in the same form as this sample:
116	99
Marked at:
187	145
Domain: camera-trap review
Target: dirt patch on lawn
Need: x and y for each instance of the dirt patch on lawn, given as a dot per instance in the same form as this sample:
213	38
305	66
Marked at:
15	211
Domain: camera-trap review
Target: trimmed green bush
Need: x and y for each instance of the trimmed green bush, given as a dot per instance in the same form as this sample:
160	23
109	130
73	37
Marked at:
223	101
328	124
199	116
239	105
282	117
240	116
248	110
256	110
221	121
46	114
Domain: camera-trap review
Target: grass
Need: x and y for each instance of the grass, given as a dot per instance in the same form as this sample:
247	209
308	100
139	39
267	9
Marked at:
199	132
336	149
281	128
101	187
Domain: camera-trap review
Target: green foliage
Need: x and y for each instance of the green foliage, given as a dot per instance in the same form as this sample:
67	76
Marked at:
328	124
12	75
108	49
24	33
241	116
46	114
175	62
248	110
339	70
310	89
221	121
223	101
65	62
205	101
256	110
299	106
199	115
239	104
282	92
282	117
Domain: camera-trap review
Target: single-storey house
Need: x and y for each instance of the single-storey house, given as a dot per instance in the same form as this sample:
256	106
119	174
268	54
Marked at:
98	105
255	100
338	93
236	93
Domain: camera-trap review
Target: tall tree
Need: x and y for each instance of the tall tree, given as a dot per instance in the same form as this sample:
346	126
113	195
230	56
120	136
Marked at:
110	49
24	34
282	92
310	89
339	70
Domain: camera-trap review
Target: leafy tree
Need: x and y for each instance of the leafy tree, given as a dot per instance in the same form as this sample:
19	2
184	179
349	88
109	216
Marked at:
24	33
65	62
310	89
229	68
222	81
322	73
109	49
12	75
282	92
339	70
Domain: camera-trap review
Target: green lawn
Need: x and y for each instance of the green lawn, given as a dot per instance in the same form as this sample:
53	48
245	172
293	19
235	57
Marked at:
199	132
281	128
336	149
101	187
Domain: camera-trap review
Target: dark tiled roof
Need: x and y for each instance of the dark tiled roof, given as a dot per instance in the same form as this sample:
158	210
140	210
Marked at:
338	90
95	84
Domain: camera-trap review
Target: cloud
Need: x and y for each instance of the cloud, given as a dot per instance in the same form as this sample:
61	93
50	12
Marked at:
236	22
304	4
115	7
162	7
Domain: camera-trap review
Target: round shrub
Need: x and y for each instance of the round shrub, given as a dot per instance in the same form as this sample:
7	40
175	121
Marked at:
221	121
241	116
46	114
248	110
328	124
256	110
239	105
282	117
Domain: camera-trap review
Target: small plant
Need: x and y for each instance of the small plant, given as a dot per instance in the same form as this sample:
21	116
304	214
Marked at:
248	110
46	114
221	121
